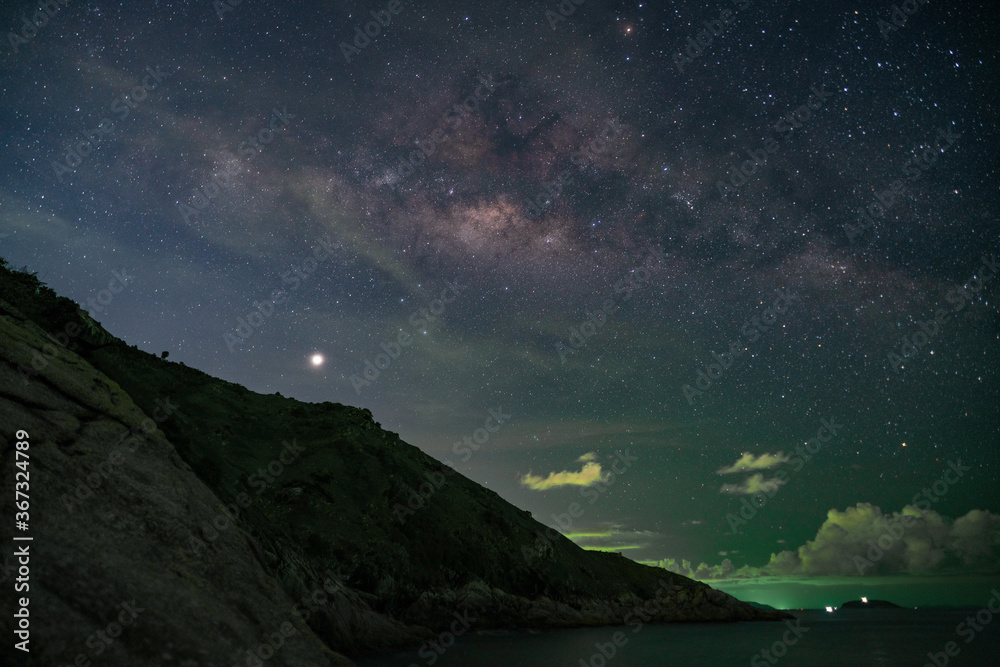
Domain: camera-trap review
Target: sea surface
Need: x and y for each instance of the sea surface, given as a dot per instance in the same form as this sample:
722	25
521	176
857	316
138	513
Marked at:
844	637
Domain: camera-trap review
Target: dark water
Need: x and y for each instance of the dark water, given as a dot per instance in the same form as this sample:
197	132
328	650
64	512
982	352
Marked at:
862	637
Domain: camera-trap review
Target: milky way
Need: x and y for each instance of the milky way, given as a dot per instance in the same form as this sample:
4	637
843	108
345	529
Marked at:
578	214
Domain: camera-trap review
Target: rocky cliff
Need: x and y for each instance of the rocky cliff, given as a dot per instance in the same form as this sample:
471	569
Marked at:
181	519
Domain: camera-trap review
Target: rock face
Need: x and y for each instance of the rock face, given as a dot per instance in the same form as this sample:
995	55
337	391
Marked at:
487	607
218	522
112	507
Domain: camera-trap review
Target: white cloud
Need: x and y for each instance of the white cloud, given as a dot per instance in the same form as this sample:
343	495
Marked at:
753	484
589	475
880	544
750	462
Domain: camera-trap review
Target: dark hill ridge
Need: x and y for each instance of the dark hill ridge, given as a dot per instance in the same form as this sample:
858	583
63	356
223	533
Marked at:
317	495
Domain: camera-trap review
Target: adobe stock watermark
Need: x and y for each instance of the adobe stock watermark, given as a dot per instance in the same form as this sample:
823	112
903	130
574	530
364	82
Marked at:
417	498
968	629
432	650
451	120
309	604
922	159
893	531
750	506
469	444
796	119
779	648
928	329
563	11
580	158
249	149
419	319
257	656
752	330
98	302
104	297
703	39
127	444
101	639
223	7
899	16
260	480
77	151
40	359
545	540
634	279
266	476
203	194
220	523
293	279
636	620
30	26
372	29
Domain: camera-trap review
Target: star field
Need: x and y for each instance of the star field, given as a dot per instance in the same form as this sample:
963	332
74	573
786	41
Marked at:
581	218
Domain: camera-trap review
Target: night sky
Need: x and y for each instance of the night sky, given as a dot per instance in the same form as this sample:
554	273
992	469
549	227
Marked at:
724	275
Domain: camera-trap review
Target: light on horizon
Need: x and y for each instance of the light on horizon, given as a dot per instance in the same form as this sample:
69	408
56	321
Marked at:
864	599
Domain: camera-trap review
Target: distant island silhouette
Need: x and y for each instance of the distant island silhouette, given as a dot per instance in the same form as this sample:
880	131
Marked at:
870	604
759	605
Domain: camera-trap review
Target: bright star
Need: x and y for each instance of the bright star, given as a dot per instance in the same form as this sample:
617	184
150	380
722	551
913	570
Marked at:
317	359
